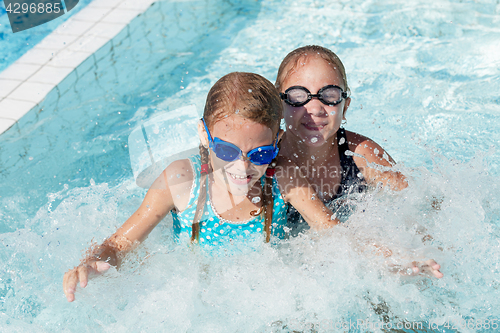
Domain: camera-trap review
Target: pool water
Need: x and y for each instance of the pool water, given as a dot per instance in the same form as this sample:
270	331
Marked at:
424	78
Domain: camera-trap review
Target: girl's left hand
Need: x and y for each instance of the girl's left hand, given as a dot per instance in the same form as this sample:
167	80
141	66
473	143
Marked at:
429	267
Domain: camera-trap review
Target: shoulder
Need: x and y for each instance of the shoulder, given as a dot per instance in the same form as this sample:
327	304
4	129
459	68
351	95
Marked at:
367	151
368	155
285	168
180	169
179	176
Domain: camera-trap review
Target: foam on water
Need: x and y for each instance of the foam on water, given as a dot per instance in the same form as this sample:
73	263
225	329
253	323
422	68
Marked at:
314	280
423	78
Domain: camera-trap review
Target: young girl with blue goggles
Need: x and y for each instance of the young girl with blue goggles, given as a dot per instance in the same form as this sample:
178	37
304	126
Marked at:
230	192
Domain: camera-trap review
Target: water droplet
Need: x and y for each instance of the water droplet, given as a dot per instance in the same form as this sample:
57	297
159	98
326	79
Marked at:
375	151
30	158
290	126
313	158
314	140
249	90
237	111
255	200
178	176
332	113
341	141
295	155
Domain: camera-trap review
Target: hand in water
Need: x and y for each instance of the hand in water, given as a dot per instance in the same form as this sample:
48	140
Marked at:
429	267
81	273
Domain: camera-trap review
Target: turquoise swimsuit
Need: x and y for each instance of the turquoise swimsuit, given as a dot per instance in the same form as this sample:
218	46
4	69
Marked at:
214	230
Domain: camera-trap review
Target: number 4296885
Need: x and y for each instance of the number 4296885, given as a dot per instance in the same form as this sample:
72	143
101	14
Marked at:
18	8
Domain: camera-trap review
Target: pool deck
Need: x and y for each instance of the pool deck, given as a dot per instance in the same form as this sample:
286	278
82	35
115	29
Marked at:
26	83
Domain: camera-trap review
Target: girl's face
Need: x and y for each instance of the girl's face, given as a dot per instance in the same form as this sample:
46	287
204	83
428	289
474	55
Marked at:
239	176
315	122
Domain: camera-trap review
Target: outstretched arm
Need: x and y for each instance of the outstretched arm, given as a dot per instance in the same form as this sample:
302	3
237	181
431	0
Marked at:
155	206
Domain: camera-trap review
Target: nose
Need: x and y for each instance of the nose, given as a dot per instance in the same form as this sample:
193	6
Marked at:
244	160
316	108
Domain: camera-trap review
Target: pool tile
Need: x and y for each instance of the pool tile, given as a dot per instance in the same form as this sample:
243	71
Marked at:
5	124
49	74
104	51
57	41
71	51
69	82
121	36
107	30
93	14
36	56
14	109
121	16
85	66
7	86
104	3
19	72
88	44
31	91
68	58
72	27
138	5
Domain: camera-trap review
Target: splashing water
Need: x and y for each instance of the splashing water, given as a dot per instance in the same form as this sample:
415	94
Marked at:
428	97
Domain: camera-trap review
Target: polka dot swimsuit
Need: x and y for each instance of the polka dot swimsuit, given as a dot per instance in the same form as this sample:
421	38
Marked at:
214	230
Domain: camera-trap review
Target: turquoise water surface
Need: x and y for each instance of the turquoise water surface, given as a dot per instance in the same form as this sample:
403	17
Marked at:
424	78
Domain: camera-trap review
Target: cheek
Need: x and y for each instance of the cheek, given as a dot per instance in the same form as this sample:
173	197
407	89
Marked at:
336	112
217	163
261	169
292	114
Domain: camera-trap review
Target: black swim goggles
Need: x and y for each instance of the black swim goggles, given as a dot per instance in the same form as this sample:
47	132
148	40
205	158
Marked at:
228	152
298	96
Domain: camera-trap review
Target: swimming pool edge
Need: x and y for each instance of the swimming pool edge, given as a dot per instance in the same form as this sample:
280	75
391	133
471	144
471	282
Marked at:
25	84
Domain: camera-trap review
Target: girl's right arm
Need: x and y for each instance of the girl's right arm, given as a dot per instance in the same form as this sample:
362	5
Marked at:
297	191
175	179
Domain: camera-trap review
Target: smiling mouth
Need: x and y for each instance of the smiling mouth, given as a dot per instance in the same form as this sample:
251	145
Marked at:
313	127
238	179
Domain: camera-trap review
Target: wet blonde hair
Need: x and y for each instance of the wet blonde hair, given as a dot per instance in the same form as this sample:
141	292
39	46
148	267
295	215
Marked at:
292	60
252	97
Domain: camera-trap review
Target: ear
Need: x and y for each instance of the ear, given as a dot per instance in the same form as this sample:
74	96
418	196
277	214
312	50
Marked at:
202	134
346	106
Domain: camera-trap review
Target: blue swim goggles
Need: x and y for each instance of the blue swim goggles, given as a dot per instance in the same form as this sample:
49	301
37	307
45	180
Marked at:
228	152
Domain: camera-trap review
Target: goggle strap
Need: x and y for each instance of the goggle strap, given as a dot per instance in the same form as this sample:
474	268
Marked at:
204	169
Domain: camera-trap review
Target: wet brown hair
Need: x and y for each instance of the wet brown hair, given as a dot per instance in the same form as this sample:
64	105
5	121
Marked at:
292	60
252	97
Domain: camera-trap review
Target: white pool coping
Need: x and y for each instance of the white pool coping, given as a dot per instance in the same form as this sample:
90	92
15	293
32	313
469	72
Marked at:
26	83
